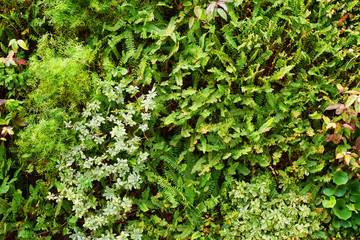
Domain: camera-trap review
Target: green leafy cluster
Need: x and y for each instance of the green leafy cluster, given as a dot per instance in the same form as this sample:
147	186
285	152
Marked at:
258	210
182	119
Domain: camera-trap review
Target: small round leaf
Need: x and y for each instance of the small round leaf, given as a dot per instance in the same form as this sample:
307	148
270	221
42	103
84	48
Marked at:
357	219
336	222
356	200
329	191
341	210
329	203
355	188
346	224
340	178
340	191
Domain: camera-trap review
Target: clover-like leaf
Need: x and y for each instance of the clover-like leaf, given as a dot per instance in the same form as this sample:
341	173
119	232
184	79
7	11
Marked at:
340	178
341	210
329	203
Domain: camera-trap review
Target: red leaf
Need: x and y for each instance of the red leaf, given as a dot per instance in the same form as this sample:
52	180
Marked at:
340	109
357	144
333	107
21	61
352	128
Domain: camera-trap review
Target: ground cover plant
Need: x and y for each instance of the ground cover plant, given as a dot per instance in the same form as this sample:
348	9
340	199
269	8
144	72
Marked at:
179	119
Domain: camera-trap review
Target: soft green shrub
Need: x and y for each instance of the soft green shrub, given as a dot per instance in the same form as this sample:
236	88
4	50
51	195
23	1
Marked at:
61	86
61	77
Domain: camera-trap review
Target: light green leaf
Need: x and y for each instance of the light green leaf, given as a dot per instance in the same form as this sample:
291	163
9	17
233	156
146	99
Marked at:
123	71
171	27
143	207
187	4
266	126
340	178
22	44
195	235
351	100
282	72
12	41
222	13
329	203
191	22
329	191
198	12
316	115
198	165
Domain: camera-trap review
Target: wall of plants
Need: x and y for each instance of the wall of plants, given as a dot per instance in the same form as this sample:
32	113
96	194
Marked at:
179	119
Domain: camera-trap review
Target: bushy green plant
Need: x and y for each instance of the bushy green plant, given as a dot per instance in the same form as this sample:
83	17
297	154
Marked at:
258	210
342	127
60	87
24	211
61	74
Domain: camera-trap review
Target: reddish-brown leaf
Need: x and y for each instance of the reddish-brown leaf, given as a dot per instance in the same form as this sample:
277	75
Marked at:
357	144
21	61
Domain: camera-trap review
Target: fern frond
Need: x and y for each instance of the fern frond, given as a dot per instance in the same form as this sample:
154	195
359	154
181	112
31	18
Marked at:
130	42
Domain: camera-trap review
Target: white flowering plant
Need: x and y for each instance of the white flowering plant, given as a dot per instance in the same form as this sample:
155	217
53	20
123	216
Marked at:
106	163
258	210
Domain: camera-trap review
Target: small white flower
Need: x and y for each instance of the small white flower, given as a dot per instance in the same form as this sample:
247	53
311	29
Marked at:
132	89
68	124
145	116
143	127
136	234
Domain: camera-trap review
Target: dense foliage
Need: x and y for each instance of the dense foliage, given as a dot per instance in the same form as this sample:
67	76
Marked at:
179	119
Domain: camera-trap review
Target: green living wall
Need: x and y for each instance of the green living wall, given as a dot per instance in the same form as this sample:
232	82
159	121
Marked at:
179	119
